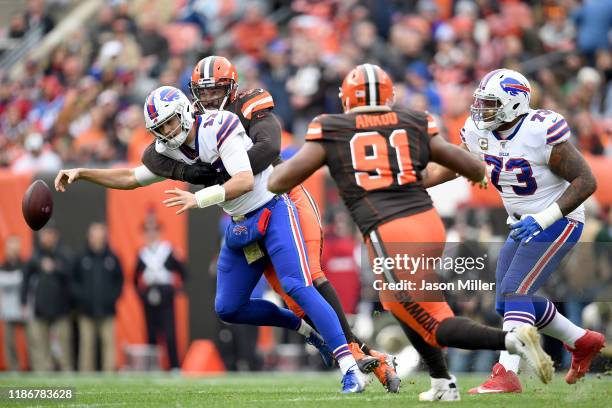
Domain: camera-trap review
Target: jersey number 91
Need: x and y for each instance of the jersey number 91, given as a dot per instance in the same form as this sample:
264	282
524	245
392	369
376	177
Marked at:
372	161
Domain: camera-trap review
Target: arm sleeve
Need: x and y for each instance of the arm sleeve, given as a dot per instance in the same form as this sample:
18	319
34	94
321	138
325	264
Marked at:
234	156
432	126
265	131
315	130
161	165
144	176
557	132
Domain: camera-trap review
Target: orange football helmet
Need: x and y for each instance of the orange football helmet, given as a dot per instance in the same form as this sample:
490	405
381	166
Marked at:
214	82
367	85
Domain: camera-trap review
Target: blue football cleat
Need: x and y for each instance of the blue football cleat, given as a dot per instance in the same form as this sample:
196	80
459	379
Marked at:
314	339
353	381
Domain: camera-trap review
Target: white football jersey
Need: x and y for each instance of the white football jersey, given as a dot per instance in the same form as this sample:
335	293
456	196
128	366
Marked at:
517	165
222	141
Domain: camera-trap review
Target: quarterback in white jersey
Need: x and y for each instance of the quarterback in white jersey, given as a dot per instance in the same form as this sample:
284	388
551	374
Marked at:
264	228
543	181
220	140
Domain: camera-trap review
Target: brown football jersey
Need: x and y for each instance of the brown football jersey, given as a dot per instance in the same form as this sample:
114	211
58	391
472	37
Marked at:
249	104
376	160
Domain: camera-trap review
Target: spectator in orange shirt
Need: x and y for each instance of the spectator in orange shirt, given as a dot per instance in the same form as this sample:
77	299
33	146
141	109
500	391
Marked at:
254	32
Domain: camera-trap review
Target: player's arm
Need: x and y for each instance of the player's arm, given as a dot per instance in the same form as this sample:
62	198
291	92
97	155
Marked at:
455	160
198	173
236	162
567	162
120	179
302	165
265	131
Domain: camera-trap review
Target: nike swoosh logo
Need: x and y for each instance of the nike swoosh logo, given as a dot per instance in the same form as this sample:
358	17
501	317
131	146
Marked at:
220	120
554	121
481	390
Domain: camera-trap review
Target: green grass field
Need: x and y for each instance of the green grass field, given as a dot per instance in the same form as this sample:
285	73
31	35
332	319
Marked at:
289	390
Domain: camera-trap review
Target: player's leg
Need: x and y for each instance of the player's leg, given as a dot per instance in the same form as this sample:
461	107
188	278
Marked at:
272	279
235	282
310	223
423	233
504	378
583	344
287	251
530	270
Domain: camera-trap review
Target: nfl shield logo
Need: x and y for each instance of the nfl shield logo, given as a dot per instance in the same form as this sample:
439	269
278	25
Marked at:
483	143
503	144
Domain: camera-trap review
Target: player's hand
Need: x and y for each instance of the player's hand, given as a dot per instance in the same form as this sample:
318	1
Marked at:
482	184
525	230
65	177
184	198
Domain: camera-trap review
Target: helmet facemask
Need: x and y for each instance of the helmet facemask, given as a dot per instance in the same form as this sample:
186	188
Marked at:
171	132
213	95
487	111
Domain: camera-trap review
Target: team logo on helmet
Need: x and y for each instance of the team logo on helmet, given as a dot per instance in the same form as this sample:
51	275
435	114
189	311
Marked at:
168	95
514	87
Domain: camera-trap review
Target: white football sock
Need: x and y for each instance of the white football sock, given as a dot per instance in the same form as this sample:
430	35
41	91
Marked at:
562	329
510	362
346	363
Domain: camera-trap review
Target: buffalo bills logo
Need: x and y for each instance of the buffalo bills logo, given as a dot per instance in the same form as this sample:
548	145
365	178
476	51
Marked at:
168	95
239	229
513	87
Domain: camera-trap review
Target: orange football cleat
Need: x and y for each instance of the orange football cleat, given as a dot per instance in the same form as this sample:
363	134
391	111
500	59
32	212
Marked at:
365	363
385	372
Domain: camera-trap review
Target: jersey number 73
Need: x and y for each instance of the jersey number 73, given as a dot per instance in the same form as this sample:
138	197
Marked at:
372	161
528	184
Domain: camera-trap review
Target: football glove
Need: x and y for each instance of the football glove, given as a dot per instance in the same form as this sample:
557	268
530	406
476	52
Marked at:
526	229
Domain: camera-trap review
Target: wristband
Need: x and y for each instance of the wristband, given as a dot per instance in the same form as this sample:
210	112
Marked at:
210	196
549	216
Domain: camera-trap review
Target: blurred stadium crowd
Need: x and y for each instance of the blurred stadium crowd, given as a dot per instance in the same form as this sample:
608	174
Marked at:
81	103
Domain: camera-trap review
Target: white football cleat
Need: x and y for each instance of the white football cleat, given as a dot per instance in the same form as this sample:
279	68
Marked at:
442	389
354	381
525	341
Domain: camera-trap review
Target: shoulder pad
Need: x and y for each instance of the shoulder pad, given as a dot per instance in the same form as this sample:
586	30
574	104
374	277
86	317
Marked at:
556	128
315	129
254	100
224	125
432	125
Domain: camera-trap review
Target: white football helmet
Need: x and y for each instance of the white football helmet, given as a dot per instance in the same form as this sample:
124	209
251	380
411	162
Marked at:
161	106
502	96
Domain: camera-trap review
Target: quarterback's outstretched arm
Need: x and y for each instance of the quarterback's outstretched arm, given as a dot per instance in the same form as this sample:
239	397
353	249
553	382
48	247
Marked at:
120	179
289	174
567	162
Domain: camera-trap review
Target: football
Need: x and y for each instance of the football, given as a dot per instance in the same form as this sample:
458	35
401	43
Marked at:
37	205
